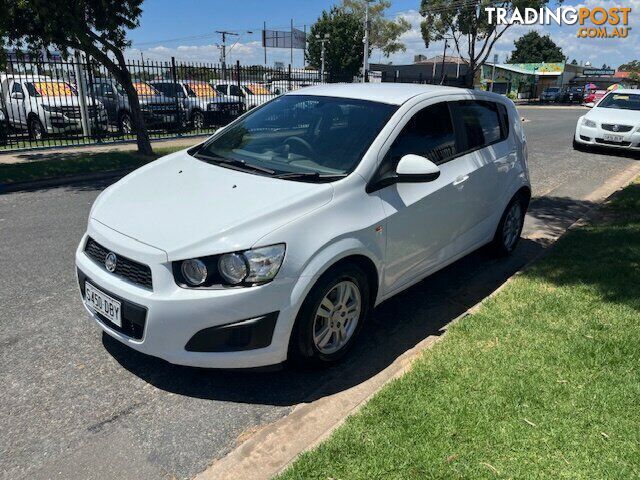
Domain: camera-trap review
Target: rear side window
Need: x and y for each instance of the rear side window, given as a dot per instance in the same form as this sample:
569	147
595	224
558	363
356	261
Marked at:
429	134
478	123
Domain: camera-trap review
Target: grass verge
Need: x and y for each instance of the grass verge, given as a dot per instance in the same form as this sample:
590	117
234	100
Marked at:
75	164
542	382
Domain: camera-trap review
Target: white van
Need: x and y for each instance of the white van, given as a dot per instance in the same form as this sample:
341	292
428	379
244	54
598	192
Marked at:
276	237
41	105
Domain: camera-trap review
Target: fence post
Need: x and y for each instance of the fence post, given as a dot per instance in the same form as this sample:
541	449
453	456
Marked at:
174	77
82	97
289	84
92	91
238	80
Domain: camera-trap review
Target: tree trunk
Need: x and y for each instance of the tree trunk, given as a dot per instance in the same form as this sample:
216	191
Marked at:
470	73
121	73
142	134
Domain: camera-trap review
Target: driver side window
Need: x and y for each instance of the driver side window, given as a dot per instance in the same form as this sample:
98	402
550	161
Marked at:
429	134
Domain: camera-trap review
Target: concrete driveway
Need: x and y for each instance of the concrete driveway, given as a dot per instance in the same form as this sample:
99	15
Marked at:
76	404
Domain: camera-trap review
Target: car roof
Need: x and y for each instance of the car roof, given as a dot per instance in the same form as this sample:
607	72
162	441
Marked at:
391	93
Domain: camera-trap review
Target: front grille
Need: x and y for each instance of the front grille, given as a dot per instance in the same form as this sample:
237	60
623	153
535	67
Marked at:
160	108
126	268
609	142
620	128
74	112
70	112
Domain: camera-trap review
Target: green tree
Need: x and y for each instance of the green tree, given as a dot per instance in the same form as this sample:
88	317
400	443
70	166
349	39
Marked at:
345	26
95	27
343	51
466	23
534	48
574	62
384	34
632	66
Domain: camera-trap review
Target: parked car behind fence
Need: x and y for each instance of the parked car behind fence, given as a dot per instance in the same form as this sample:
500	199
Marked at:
203	105
41	105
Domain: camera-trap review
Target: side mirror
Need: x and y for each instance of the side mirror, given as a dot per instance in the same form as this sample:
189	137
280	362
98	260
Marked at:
411	169
17	95
414	168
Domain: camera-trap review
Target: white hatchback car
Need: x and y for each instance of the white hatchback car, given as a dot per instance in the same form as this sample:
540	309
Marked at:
276	237
613	122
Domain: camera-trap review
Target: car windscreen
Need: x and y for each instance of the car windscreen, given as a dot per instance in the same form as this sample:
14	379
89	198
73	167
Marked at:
302	134
145	90
50	89
624	101
257	89
200	89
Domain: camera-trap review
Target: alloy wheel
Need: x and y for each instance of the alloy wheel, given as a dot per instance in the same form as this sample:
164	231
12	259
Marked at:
336	317
512	226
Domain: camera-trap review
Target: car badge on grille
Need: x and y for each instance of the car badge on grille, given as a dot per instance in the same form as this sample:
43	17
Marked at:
110	262
616	128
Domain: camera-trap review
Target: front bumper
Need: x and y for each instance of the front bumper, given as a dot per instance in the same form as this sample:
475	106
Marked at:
595	136
180	323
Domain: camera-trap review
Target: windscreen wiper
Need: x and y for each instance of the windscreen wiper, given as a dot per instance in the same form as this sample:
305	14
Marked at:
232	162
318	175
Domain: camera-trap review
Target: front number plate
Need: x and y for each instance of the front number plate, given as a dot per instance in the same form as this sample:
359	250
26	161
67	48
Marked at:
102	303
612	138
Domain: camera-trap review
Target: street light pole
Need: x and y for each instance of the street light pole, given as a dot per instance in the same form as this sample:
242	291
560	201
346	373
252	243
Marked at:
365	62
323	40
444	57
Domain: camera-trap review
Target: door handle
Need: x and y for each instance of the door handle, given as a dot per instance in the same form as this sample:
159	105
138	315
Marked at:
461	179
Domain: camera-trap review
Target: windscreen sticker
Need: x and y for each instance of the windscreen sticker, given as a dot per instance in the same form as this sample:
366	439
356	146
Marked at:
53	89
144	89
202	89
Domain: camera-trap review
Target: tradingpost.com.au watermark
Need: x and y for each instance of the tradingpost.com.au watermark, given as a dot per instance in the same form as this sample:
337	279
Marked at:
595	22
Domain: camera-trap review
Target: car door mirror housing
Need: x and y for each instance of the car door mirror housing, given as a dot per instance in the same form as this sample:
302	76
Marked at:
415	168
410	169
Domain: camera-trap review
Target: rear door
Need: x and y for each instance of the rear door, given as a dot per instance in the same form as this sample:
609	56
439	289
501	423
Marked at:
483	142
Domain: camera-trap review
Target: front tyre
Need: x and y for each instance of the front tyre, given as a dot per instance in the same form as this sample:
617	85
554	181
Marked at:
331	317
579	146
509	229
36	129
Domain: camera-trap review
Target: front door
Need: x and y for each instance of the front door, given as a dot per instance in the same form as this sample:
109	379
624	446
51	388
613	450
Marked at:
424	219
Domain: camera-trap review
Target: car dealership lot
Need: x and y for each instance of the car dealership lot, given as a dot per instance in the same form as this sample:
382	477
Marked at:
77	404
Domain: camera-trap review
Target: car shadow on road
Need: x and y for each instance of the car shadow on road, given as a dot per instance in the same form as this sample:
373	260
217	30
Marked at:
394	327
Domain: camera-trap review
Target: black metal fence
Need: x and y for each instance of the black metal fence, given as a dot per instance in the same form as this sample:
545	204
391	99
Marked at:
77	102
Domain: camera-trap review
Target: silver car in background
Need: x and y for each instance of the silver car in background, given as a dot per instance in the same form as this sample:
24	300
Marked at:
202	103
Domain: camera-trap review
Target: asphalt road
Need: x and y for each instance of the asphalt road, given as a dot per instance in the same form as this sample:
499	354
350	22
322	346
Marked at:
75	404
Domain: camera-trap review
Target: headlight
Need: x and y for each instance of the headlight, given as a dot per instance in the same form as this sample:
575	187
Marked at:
50	108
233	267
264	263
588	123
249	267
194	271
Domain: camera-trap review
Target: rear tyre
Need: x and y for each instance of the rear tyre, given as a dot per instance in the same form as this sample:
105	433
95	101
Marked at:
36	130
331	317
509	229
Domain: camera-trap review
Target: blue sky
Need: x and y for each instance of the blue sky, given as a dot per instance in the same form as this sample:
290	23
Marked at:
186	29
